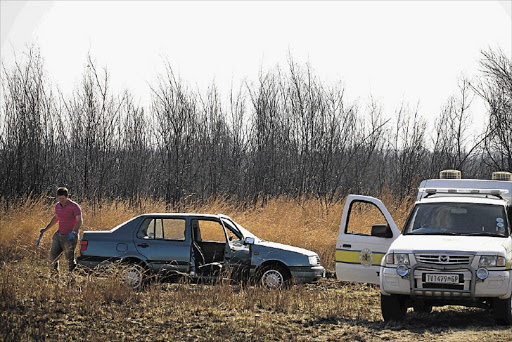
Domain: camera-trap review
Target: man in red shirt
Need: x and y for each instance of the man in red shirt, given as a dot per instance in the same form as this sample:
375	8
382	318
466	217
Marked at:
69	216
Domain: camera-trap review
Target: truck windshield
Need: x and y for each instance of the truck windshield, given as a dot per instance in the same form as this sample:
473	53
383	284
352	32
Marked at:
458	219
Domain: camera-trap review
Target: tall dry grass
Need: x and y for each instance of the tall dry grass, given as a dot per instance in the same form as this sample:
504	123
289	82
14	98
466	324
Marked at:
83	307
100	307
306	222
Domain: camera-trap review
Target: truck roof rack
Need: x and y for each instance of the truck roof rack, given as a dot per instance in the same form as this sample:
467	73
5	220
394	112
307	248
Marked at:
471	187
493	192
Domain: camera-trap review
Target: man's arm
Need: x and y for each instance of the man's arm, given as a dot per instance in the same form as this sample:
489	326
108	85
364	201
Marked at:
52	222
78	224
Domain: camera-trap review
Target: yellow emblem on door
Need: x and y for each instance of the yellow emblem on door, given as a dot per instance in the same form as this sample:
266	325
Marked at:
366	257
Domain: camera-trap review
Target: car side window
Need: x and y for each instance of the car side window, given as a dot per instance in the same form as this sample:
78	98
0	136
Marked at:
157	228
211	231
144	230
362	216
230	230
162	228
174	229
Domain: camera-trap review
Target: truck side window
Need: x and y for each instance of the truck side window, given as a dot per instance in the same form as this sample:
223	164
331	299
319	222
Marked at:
509	209
362	216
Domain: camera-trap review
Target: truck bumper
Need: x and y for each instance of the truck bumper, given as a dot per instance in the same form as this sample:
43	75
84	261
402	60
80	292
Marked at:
498	284
307	274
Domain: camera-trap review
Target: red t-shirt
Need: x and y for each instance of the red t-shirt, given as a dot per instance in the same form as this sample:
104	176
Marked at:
66	215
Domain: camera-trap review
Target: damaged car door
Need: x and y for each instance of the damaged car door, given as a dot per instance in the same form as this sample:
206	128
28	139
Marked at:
238	253
218	246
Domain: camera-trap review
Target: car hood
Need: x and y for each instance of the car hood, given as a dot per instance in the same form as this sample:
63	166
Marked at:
441	243
283	247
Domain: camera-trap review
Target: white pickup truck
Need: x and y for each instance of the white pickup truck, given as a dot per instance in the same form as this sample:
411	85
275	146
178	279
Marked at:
454	249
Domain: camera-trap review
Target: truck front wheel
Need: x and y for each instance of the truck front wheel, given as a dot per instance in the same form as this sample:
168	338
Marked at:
502	311
393	307
422	308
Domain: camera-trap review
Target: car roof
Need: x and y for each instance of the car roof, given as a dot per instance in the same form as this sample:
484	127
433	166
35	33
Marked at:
181	215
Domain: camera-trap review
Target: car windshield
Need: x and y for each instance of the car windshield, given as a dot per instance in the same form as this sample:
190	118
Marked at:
458	219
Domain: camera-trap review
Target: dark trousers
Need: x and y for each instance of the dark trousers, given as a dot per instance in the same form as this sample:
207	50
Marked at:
62	244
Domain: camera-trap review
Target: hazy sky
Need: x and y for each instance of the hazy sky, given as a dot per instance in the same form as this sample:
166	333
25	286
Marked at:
397	51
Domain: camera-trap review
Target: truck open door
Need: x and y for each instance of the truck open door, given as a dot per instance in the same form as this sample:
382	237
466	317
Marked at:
366	232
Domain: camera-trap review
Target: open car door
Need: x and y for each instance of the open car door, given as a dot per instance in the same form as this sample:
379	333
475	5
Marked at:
238	254
366	232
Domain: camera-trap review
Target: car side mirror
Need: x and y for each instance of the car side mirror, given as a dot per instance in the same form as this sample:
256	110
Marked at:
249	240
381	230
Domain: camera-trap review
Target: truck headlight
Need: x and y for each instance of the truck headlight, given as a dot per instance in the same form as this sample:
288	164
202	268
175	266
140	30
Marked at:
402	259
397	259
314	260
491	261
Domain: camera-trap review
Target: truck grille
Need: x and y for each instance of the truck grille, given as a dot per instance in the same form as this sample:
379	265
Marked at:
444	259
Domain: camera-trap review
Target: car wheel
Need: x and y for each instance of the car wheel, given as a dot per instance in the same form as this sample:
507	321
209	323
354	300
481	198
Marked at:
273	277
133	275
422	308
502	311
392	307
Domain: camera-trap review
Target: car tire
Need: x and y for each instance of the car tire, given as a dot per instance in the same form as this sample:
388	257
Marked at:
274	277
422	308
392	307
502	311
133	275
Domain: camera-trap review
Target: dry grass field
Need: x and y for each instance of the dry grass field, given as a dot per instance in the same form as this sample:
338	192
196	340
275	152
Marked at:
88	307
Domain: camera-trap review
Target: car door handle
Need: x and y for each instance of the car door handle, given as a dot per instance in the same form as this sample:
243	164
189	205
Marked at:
347	245
143	245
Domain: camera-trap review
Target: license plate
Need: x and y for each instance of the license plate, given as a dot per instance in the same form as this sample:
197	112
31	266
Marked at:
442	278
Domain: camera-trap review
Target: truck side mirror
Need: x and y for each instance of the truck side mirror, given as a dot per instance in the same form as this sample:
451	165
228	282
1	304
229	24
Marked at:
381	230
249	240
